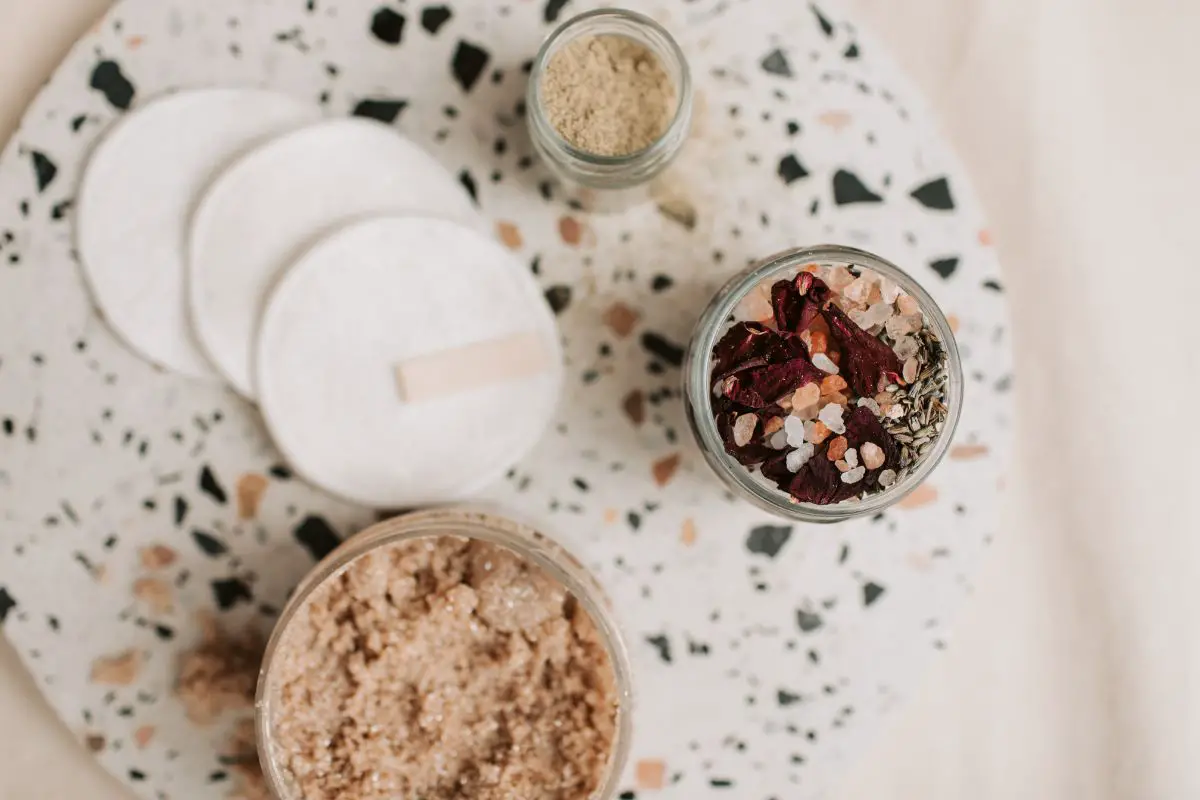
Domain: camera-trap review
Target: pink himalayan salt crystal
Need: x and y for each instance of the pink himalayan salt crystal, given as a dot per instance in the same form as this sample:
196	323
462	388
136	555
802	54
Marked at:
904	324
807	395
911	368
877	314
859	290
838	278
905	304
906	347
743	429
755	306
872	455
889	291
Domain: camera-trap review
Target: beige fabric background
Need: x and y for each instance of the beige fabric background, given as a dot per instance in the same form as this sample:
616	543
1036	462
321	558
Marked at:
1076	670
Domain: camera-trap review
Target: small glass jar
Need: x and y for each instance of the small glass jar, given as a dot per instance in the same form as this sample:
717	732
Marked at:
698	391
610	182
521	539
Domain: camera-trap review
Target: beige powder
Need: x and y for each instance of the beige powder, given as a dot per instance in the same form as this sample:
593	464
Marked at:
608	95
443	668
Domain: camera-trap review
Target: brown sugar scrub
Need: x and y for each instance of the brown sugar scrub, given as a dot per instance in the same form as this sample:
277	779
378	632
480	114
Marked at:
608	95
441	667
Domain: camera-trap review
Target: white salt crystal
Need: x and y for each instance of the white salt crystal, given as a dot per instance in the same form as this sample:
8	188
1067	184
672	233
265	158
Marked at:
831	415
887	478
869	402
743	429
825	364
851	457
854	475
778	440
906	347
793	428
799	457
872	455
889	289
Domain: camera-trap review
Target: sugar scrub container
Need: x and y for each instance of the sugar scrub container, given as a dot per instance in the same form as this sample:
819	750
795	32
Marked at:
610	104
823	383
445	654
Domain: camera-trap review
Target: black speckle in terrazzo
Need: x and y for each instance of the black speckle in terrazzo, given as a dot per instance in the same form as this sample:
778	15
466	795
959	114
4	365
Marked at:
994	285
553	9
808	621
468	64
698	648
935	195
7	604
720	783
281	472
108	79
852	51
137	775
822	20
768	540
790	169
44	169
209	545
776	63
634	519
786	698
844	554
181	509
434	17
871	592
59	210
660	283
317	537
387	25
847	189
468	183
559	297
164	632
662	644
228	592
382	109
945	266
77	122
211	487
659	346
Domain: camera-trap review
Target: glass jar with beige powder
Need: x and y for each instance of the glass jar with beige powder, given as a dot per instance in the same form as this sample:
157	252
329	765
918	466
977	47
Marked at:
610	104
440	655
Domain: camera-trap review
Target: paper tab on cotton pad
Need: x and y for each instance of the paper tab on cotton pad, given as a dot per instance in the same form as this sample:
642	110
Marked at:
136	200
265	209
406	291
436	375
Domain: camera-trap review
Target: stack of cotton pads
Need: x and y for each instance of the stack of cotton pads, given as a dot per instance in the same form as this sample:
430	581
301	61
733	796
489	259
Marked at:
332	271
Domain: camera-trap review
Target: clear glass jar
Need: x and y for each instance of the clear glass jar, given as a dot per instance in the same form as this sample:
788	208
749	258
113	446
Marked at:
522	539
698	395
610	182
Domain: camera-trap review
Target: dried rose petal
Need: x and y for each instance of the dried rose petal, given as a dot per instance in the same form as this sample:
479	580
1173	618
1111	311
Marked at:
762	386
820	482
865	359
748	344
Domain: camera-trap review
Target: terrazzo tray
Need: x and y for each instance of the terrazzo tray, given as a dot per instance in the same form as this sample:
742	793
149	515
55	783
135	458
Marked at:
765	654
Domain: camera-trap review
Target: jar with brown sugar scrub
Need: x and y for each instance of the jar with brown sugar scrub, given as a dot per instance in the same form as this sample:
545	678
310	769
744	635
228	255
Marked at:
445	654
610	104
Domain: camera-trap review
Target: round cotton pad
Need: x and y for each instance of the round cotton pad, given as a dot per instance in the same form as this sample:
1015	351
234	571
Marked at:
136	200
405	361
262	213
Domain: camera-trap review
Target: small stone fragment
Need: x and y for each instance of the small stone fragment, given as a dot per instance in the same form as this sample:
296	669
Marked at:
634	406
119	670
872	455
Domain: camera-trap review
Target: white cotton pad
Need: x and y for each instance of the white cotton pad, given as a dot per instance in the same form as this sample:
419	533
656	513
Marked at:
135	203
394	291
265	209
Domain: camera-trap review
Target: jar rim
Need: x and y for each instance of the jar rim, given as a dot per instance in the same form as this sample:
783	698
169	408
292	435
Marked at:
699	397
566	32
523	539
